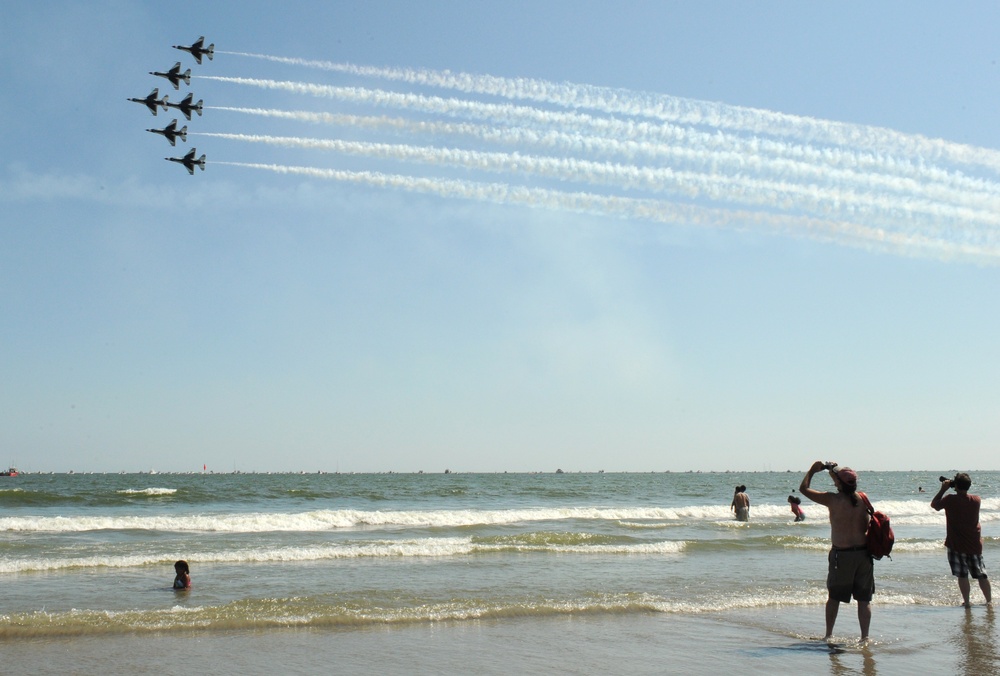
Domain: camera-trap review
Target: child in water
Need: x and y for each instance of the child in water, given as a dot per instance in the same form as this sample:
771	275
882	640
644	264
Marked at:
183	578
796	510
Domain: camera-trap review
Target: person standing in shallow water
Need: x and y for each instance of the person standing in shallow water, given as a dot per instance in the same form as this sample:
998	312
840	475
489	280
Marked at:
850	571
741	504
182	577
963	535
796	509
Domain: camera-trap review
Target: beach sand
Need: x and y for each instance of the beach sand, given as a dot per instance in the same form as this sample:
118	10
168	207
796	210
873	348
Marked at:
906	639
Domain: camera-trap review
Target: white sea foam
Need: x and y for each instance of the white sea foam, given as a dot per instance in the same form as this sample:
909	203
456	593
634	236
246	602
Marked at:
901	512
410	548
148	491
320	520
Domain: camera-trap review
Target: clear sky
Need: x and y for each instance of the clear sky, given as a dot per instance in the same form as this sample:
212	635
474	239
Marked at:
637	236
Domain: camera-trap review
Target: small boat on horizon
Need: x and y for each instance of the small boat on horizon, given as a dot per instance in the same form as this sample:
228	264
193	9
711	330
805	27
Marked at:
10	472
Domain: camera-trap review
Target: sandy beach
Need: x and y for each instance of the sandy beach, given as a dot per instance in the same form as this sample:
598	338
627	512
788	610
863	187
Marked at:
905	640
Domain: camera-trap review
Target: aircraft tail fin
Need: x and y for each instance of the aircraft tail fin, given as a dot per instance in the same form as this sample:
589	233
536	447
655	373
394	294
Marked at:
201	162
198	107
187	76
210	51
183	133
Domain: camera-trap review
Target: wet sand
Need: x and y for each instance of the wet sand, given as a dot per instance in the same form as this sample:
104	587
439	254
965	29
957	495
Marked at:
905	639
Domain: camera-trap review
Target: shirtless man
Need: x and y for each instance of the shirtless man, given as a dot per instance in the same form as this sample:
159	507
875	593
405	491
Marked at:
850	570
741	504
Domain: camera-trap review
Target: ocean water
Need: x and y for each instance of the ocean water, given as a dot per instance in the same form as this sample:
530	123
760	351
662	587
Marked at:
466	573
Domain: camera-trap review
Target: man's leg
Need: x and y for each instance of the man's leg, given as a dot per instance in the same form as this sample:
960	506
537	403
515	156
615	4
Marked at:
984	584
864	617
832	606
963	586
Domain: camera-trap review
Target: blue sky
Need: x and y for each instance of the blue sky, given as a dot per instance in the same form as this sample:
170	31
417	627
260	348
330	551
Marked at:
246	318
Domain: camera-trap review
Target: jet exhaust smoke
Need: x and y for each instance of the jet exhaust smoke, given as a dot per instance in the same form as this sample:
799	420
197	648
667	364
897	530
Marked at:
664	157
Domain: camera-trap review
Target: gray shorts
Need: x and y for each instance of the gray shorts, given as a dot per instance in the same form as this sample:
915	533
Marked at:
966	565
851	573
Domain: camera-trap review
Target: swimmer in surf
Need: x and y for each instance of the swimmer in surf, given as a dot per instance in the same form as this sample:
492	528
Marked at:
741	504
183	578
796	509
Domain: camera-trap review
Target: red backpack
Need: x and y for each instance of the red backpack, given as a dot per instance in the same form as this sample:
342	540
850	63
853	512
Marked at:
880	535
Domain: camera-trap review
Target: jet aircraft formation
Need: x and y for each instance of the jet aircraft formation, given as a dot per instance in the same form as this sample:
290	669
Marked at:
186	105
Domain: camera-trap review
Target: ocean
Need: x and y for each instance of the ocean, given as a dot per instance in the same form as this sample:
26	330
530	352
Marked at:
468	573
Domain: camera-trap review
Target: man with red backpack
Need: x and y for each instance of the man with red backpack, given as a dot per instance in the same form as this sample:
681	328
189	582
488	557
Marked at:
963	535
850	572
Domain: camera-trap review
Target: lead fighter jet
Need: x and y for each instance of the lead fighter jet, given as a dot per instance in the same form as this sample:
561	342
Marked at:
175	75
185	106
197	50
152	102
189	162
171	132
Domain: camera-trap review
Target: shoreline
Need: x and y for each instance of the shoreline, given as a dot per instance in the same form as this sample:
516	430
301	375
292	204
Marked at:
920	639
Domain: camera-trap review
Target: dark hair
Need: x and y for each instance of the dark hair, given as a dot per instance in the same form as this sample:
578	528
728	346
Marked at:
183	566
794	500
963	481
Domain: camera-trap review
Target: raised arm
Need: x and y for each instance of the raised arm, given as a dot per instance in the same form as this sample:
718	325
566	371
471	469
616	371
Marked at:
811	493
936	502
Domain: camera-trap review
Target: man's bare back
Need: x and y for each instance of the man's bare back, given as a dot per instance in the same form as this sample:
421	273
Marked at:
850	573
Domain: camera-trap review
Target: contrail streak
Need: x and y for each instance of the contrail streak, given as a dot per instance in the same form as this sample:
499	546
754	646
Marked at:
670	109
842	232
972	194
749	151
838	181
735	189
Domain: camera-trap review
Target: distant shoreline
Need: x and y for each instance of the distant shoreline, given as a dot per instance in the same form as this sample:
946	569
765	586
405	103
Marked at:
457	472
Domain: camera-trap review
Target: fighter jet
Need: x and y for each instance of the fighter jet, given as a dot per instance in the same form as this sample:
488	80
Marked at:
175	75
197	50
152	102
185	106
171	132
189	162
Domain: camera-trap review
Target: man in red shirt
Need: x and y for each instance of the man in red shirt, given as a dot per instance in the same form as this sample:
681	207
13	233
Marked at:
963	538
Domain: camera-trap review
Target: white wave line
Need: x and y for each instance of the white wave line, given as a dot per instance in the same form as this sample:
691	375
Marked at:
840	232
671	109
738	188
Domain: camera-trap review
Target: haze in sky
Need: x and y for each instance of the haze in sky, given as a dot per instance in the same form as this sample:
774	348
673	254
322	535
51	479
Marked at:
501	237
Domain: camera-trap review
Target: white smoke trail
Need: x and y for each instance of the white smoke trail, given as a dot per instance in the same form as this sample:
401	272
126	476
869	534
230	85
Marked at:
841	232
671	109
739	189
974	193
749	153
903	200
